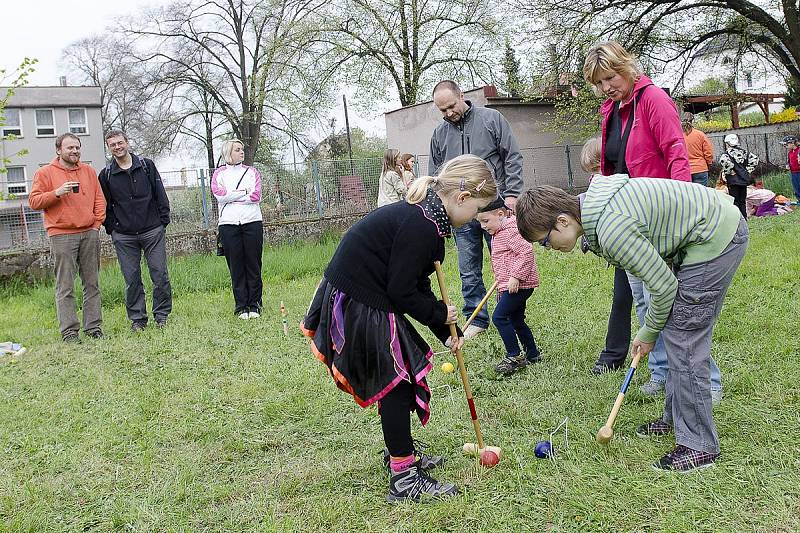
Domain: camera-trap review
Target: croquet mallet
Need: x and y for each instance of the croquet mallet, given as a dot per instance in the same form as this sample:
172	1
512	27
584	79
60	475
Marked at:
605	433
470	447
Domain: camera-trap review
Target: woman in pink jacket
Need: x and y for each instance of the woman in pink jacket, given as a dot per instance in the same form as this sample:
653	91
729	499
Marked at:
641	137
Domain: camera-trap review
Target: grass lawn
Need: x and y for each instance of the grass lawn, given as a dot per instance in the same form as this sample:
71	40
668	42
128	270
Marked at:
221	425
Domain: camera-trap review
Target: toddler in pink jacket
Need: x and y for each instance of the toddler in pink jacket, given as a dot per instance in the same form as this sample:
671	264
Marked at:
515	272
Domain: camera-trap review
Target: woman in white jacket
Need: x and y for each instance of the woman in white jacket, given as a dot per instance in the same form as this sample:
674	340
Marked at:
237	188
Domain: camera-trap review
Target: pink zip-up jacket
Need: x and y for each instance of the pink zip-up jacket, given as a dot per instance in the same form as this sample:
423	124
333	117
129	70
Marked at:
656	147
513	256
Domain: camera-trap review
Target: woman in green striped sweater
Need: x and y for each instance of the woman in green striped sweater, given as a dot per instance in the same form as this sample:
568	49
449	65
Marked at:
685	243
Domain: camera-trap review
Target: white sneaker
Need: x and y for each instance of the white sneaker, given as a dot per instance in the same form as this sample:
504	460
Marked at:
473	331
254	314
244	316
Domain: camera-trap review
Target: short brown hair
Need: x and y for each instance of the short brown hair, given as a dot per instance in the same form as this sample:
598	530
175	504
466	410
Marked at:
539	207
116	133
447	84
60	139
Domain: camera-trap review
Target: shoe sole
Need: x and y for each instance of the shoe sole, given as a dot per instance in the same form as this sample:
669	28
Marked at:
648	435
423	499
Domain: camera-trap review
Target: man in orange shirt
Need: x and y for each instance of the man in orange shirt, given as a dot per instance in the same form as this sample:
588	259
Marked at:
74	208
701	153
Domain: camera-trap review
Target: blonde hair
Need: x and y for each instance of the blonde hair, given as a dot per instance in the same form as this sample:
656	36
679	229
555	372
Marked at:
609	57
591	154
467	173
390	161
227	150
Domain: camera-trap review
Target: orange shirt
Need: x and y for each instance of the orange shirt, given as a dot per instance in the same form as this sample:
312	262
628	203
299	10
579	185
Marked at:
701	153
72	212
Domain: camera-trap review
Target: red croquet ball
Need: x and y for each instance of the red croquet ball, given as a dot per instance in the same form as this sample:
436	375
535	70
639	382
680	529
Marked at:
489	458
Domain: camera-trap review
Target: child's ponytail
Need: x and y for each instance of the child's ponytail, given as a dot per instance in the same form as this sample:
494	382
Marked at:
465	173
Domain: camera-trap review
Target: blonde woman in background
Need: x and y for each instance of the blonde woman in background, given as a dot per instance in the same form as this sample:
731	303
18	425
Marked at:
391	187
237	188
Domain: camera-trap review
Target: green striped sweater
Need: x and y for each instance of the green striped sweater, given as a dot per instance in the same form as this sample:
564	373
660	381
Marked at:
641	224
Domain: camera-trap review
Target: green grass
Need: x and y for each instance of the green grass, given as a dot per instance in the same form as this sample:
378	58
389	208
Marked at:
220	425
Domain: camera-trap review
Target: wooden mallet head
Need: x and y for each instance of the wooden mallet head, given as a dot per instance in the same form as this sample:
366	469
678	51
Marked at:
604	434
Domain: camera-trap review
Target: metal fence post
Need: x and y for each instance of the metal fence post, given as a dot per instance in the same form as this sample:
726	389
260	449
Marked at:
203	198
569	170
766	146
317	186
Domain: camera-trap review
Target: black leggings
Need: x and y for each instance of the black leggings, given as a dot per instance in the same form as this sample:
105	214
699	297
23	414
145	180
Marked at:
618	337
395	409
739	193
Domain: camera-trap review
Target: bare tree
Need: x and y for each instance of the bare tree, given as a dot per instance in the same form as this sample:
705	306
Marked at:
130	100
249	58
666	31
409	44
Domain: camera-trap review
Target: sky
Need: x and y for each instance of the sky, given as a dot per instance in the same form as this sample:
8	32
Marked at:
60	23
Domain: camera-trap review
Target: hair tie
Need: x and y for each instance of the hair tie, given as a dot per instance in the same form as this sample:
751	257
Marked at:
480	186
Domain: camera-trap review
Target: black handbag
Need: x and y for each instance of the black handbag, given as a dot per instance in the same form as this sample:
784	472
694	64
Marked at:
220	248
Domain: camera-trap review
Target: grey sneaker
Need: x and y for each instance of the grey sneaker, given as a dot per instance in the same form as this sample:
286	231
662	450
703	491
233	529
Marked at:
138	326
426	462
716	396
414	484
510	364
652	388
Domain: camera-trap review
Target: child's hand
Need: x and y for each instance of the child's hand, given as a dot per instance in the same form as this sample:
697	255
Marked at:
454	346
452	314
513	285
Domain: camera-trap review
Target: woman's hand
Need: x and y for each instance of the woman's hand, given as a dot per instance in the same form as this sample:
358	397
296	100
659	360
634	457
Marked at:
513	285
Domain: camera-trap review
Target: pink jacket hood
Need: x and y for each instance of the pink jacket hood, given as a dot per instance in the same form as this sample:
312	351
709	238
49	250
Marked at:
656	147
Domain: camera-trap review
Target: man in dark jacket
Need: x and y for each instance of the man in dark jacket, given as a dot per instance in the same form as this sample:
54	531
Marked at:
468	129
137	215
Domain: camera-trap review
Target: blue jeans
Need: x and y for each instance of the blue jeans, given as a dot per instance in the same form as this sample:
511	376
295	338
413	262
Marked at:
796	184
657	360
509	319
701	178
469	242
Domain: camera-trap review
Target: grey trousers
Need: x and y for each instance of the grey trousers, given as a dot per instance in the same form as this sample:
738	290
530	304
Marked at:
129	253
687	339
77	252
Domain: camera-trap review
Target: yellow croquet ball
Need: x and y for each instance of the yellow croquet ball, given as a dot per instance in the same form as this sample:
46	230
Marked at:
447	368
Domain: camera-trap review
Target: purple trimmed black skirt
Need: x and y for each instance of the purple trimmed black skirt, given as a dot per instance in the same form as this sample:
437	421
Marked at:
367	351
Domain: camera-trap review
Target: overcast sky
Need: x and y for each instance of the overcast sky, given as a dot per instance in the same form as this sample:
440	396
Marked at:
43	28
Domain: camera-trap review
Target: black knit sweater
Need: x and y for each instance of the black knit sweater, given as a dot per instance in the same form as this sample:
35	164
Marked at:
385	261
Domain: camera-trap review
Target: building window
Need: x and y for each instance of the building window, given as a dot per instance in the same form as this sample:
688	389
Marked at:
13	124
749	78
15	181
45	123
77	121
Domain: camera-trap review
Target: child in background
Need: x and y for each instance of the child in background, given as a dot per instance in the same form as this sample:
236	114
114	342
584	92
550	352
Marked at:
793	162
357	320
391	186
515	272
590	157
685	243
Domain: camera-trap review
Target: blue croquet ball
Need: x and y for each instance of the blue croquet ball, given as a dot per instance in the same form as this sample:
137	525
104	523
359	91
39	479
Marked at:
544	449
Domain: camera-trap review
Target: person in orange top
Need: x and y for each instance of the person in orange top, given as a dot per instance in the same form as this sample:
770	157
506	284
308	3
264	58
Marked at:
74	208
701	152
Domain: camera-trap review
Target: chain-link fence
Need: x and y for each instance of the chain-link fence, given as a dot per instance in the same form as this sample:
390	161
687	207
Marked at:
766	146
290	192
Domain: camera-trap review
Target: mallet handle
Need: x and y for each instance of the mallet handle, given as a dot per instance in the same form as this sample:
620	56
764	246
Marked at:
480	306
460	358
612	417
